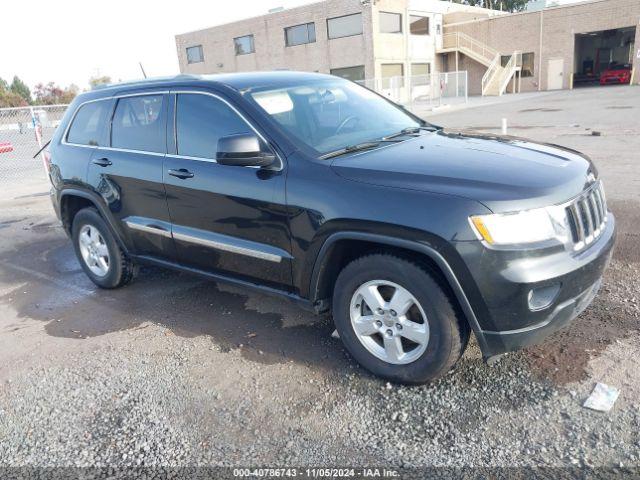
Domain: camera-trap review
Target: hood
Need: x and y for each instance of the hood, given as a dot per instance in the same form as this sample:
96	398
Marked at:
504	173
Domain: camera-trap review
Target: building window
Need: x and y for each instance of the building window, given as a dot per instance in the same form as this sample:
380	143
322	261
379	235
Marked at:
390	22
300	34
527	63
420	69
195	54
418	25
344	26
244	45
355	74
392	75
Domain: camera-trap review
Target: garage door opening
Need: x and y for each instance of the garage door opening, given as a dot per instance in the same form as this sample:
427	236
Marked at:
604	57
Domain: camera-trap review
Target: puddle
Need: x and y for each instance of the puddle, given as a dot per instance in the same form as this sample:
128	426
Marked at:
50	286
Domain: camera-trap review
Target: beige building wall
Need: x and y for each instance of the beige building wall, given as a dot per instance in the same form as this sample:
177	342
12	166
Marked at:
271	53
549	34
371	49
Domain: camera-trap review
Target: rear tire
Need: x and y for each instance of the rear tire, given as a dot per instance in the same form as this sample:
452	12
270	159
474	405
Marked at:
420	341
99	254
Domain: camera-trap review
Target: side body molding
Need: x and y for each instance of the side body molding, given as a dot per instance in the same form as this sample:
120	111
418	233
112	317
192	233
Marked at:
409	245
208	239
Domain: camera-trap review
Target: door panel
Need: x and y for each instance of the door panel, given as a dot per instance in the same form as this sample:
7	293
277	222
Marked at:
226	219
130	180
230	219
132	186
555	74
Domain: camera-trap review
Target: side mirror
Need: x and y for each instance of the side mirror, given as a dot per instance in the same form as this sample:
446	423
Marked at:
243	150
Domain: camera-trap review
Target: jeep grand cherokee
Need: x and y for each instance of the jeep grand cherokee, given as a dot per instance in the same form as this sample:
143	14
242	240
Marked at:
319	190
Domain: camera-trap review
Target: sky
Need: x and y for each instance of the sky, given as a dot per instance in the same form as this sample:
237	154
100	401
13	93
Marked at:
68	41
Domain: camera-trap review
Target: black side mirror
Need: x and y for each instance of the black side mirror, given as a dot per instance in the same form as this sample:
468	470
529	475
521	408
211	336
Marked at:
243	150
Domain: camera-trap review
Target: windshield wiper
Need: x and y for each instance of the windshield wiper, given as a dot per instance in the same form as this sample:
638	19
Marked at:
356	148
412	131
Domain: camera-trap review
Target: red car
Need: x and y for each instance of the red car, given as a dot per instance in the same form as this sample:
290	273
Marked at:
6	147
616	73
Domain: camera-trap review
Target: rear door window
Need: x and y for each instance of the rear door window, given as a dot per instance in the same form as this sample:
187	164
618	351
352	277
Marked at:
201	121
139	124
88	124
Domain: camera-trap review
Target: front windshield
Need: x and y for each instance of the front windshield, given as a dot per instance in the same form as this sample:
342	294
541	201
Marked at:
332	114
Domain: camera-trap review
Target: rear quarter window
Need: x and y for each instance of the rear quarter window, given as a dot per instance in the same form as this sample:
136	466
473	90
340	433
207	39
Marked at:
88	124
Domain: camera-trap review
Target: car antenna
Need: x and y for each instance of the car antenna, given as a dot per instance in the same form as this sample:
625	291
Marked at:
144	74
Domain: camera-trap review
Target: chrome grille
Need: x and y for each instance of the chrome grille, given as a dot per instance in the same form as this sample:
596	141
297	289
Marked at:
587	216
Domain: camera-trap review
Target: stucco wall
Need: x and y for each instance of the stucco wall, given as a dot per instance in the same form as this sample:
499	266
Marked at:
406	48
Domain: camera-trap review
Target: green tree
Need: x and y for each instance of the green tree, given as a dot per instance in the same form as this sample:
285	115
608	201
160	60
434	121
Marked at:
3	85
20	88
103	80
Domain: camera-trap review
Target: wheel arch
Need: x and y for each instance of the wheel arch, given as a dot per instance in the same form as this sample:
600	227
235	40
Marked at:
331	258
72	200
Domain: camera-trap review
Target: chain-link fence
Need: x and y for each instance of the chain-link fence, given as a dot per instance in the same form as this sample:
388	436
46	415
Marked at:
422	92
23	131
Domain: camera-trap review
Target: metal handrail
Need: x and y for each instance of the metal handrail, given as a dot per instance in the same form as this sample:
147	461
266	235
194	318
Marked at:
461	40
512	66
492	70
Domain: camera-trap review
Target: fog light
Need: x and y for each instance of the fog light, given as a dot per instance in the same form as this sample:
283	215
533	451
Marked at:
540	298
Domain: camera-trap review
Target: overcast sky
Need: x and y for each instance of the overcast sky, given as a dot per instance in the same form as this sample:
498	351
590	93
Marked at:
67	41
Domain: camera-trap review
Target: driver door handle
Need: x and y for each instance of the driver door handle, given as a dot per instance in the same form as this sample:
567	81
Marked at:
102	162
180	173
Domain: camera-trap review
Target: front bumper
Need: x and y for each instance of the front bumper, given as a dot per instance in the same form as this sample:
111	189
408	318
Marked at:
505	279
615	80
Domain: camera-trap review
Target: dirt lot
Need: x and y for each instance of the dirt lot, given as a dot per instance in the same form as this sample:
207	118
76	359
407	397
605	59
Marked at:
175	371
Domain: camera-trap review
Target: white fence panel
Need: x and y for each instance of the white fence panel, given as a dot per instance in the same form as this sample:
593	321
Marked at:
420	92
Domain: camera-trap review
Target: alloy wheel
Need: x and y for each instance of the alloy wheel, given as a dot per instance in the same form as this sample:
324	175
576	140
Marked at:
389	322
94	250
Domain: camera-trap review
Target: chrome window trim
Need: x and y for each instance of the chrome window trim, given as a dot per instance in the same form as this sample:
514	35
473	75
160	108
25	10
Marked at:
170	155
104	99
232	107
127	150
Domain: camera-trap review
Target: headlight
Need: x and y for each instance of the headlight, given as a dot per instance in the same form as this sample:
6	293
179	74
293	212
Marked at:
522	228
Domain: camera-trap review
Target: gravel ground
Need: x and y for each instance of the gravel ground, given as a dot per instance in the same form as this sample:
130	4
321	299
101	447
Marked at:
174	371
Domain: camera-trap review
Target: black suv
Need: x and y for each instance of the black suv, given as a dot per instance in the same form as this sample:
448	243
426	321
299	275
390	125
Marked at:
319	190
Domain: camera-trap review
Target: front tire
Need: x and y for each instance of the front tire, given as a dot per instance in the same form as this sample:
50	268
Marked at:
397	320
99	254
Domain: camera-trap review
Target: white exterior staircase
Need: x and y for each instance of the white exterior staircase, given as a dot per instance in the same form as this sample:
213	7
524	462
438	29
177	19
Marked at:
496	78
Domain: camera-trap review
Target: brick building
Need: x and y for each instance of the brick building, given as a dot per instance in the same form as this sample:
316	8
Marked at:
356	39
560	45
553	48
